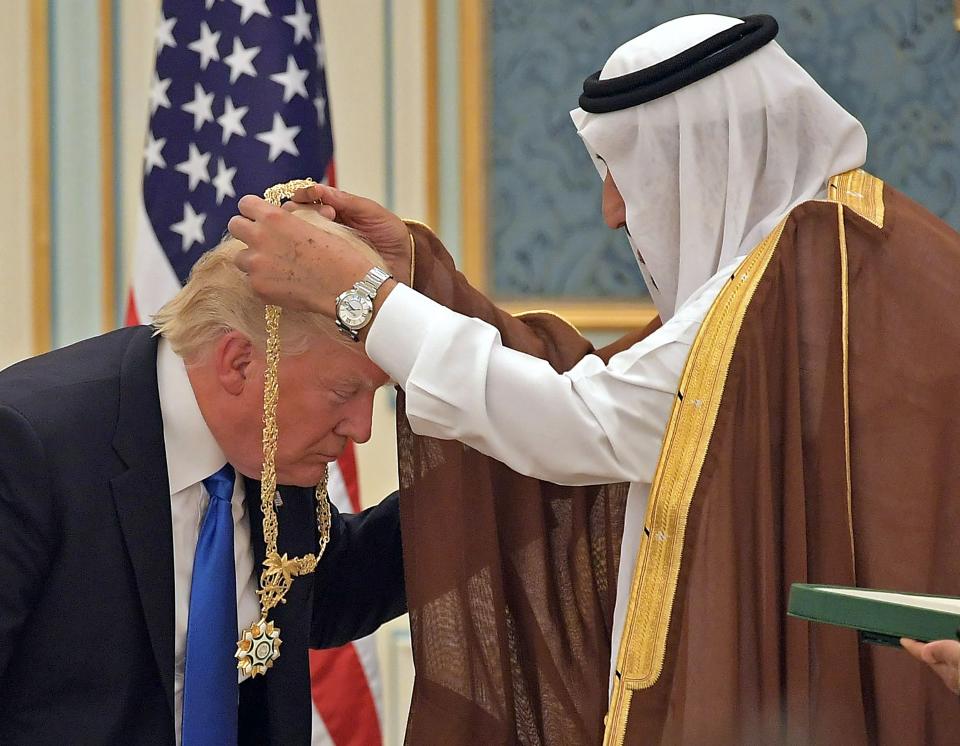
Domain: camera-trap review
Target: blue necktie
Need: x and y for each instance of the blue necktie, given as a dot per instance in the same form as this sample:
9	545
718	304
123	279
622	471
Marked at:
210	688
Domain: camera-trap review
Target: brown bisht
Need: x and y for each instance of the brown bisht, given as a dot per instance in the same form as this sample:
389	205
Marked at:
513	579
814	440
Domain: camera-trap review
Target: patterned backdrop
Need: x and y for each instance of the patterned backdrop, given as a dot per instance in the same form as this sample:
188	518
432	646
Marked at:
895	64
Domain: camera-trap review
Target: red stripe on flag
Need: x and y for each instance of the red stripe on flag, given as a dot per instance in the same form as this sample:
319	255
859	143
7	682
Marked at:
132	318
342	697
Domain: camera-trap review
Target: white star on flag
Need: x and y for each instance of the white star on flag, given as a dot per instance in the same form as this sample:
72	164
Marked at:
300	22
209	3
280	138
223	181
163	36
190	228
158	94
249	7
293	80
201	107
206	45
232	120
153	154
195	167
240	60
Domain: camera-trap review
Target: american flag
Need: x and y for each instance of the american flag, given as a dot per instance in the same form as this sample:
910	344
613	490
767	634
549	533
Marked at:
238	102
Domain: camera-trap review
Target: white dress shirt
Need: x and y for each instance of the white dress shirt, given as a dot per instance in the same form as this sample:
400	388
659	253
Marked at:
192	456
595	424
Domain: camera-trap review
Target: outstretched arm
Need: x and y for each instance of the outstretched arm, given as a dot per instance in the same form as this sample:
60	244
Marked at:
416	257
595	424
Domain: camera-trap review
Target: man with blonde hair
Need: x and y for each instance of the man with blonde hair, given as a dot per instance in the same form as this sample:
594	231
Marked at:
131	553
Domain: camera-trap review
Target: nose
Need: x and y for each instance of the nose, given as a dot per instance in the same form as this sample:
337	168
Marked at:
357	421
614	210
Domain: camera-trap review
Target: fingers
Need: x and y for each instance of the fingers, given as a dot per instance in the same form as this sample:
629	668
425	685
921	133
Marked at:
948	675
343	202
254	207
254	210
328	212
313	193
913	647
945	652
938	651
243	260
943	657
242	229
325	211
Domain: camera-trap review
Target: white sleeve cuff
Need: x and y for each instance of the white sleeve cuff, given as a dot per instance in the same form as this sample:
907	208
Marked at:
400	330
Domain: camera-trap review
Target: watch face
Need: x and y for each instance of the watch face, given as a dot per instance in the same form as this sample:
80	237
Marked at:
354	309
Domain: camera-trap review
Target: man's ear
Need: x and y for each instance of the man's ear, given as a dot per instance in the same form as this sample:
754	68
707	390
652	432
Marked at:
232	357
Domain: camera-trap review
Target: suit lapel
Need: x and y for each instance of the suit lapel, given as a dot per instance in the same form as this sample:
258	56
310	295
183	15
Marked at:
142	498
288	682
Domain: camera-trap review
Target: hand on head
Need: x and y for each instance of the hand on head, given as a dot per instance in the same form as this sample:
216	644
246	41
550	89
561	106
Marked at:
297	265
290	261
388	233
382	228
943	657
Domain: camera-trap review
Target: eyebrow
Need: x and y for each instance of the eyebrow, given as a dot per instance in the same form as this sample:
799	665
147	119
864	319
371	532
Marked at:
355	382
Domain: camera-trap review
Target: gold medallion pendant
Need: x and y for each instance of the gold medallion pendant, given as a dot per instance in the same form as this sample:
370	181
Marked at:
259	646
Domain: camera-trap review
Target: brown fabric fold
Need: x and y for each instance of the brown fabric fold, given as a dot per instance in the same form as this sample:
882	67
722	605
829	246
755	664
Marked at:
513	579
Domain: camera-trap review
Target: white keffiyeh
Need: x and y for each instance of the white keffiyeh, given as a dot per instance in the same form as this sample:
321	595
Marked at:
708	171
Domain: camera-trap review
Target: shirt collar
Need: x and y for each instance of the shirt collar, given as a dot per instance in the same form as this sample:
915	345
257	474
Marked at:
193	454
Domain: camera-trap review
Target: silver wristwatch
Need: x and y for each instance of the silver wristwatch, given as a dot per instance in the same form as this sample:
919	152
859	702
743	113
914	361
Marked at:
354	307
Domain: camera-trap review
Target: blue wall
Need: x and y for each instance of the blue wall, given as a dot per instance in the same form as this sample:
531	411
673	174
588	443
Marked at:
894	64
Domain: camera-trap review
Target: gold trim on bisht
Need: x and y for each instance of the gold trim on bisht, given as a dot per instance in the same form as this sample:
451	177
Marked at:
644	643
861	192
845	323
413	244
547	312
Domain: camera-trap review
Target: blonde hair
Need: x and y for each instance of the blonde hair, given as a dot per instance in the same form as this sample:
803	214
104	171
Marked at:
218	299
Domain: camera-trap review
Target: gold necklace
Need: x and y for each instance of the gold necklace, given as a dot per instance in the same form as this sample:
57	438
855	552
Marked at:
259	645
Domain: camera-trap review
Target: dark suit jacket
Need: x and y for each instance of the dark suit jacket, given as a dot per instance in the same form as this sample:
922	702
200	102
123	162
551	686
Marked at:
86	561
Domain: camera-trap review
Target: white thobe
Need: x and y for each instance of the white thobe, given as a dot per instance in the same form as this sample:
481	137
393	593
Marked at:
594	424
193	455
